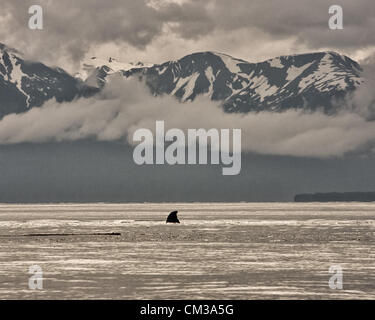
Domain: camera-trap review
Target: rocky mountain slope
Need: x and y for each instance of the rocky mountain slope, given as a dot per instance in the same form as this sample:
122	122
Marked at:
25	84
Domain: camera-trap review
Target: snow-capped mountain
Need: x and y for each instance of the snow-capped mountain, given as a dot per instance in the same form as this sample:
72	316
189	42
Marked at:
95	70
297	81
308	81
25	84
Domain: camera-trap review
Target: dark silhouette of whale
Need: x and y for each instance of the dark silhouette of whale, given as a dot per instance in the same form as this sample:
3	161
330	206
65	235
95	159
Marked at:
172	218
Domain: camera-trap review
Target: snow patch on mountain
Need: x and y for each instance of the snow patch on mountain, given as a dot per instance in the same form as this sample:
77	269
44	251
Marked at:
329	76
263	89
230	62
275	63
112	65
294	72
12	71
186	86
211	78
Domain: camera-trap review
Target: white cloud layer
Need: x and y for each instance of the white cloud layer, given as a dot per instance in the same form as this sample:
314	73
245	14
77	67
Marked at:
126	105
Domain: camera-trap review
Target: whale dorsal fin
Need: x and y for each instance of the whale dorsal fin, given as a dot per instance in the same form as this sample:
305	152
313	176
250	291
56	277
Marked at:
172	218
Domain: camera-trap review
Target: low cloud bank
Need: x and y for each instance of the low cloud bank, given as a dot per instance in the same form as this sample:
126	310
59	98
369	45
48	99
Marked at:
126	105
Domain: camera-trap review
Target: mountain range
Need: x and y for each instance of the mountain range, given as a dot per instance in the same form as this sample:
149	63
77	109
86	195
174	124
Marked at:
306	81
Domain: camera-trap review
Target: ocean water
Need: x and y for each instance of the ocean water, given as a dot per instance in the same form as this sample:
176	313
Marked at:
219	251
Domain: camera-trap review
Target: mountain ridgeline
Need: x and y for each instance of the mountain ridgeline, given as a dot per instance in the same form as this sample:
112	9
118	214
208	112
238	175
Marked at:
301	81
307	81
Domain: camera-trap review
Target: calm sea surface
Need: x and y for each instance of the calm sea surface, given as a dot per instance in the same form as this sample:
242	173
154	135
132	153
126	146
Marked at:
219	251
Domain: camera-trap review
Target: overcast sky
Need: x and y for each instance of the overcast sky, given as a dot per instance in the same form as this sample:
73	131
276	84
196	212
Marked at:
160	30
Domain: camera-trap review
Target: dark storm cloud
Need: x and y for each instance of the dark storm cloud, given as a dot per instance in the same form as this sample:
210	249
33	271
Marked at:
307	20
73	27
190	20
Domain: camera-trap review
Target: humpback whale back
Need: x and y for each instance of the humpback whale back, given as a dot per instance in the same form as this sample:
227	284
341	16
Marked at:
172	218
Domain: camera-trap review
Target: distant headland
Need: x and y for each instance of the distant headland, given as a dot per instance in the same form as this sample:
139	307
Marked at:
336	197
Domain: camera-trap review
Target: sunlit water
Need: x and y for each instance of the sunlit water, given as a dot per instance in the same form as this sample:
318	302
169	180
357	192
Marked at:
219	251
